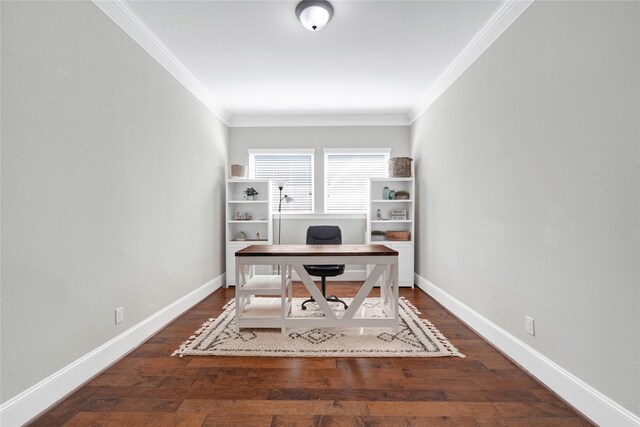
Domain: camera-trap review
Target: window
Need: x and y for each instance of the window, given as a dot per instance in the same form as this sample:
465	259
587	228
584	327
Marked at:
346	177
294	167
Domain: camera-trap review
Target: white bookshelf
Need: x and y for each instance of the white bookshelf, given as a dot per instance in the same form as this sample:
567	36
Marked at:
257	230
405	248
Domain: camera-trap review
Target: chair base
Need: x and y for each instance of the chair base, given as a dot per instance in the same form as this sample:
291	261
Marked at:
330	298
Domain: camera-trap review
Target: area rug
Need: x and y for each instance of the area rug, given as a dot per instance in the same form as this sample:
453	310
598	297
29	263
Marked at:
415	337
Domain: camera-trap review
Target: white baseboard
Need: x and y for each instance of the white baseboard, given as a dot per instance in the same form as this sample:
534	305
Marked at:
33	401
592	403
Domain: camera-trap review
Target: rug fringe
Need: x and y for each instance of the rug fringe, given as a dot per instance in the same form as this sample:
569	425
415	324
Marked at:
183	347
442	339
434	330
229	304
412	307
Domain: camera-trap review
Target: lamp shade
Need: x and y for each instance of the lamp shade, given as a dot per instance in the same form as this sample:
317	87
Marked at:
314	14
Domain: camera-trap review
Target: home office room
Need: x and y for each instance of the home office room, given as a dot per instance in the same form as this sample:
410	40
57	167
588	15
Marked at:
320	213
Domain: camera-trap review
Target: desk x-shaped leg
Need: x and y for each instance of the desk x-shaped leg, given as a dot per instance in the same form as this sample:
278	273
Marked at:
313	290
355	305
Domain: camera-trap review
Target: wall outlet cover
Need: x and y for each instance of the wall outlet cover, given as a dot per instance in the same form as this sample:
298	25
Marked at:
119	315
529	325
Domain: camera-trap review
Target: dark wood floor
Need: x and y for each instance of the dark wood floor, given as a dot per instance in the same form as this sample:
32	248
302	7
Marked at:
148	387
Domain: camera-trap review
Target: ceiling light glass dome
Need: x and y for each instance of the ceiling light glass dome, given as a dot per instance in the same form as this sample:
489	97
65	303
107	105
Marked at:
314	14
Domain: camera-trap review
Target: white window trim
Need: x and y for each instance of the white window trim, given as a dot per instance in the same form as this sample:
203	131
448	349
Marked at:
327	152
295	151
253	151
356	151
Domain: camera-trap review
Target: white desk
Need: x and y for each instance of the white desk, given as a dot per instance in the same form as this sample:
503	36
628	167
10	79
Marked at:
277	313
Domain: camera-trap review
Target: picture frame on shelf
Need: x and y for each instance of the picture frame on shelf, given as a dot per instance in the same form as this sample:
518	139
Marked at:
398	214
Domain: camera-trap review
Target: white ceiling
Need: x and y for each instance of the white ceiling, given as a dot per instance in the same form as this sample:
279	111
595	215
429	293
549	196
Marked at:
254	58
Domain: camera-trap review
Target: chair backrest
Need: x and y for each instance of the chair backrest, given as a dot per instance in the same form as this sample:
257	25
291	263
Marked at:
324	235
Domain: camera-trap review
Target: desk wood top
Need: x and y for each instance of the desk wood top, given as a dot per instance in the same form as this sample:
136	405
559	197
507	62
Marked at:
317	250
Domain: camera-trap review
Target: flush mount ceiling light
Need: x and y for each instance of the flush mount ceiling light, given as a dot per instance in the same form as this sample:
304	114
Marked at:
314	14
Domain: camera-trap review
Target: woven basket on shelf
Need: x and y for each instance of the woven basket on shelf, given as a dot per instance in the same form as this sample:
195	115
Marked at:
398	235
400	167
238	171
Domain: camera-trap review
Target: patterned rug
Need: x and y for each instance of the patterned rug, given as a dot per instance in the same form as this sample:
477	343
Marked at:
415	337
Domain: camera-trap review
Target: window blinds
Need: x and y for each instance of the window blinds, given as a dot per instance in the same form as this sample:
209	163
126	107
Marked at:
346	179
297	172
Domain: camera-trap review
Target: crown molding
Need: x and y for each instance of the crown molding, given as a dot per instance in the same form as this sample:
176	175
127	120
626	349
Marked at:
302	120
506	14
126	19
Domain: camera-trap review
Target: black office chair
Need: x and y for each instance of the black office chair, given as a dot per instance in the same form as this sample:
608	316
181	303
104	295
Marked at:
324	235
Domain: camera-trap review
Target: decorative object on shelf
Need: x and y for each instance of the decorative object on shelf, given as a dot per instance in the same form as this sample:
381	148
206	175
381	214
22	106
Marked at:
401	195
377	235
398	214
378	214
385	193
241	236
250	193
257	236
392	194
247	216
398	235
400	167
238	171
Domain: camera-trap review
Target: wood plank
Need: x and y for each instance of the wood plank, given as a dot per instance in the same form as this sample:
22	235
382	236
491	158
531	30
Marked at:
440	409
139	419
219	419
375	394
288	407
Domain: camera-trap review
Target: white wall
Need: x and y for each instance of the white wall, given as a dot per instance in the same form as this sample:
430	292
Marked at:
294	228
112	187
528	188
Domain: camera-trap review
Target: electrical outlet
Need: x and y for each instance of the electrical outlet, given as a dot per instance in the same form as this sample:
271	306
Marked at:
119	315
529	325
